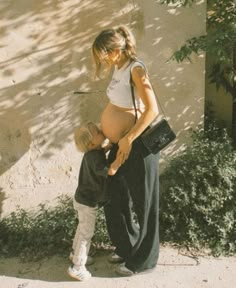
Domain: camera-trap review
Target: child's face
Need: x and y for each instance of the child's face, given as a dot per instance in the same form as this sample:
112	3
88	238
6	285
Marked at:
97	140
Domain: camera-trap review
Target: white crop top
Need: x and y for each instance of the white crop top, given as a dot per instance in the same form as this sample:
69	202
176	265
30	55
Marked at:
119	91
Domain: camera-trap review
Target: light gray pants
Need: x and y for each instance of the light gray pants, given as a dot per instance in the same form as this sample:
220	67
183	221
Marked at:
84	233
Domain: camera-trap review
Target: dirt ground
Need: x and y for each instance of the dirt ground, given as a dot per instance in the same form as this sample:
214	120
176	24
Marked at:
175	269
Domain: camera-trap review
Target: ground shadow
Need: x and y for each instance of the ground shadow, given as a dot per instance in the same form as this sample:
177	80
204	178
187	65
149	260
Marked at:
54	269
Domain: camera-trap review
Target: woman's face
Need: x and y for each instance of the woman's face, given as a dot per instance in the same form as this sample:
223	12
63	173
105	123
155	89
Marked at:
111	58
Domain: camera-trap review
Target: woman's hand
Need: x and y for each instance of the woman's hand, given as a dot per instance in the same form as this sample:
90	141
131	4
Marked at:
125	147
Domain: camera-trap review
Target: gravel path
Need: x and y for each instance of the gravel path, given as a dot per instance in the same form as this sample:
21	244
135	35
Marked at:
175	269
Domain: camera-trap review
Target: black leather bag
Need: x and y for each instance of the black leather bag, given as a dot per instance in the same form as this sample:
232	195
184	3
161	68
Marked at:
159	135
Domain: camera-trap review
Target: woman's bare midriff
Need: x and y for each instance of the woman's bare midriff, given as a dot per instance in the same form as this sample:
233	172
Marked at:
116	122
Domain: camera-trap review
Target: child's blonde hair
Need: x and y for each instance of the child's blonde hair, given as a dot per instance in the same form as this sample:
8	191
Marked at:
83	135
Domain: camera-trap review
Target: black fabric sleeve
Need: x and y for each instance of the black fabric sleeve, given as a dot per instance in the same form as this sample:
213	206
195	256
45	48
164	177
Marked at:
98	162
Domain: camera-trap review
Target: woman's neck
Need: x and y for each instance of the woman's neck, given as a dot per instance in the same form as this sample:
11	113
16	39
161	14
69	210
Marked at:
123	59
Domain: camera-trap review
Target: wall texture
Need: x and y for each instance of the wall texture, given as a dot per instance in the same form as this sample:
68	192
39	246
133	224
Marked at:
45	59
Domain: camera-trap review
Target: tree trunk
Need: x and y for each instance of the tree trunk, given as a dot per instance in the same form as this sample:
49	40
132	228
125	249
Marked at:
234	99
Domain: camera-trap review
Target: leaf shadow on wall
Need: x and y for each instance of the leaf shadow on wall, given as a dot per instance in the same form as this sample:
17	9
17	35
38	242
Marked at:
46	57
2	198
15	138
46	51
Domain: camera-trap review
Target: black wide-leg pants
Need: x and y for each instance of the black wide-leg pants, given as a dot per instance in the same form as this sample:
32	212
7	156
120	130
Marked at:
135	187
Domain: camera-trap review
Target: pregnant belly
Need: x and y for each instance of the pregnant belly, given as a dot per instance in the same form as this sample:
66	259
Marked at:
116	122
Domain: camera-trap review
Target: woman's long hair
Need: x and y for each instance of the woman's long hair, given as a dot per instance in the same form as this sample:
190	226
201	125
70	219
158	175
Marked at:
110	39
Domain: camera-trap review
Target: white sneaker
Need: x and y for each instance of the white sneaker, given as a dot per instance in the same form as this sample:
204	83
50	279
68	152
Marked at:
81	274
124	271
114	258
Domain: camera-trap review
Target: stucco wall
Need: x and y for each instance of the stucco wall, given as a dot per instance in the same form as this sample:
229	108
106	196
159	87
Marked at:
45	58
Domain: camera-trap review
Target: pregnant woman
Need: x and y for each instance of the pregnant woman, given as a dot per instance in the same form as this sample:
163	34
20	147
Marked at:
136	184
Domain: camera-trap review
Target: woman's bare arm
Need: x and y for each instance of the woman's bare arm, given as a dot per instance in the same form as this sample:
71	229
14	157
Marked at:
144	88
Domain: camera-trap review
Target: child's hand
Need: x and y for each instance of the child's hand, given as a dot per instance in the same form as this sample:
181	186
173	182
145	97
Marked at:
106	145
114	167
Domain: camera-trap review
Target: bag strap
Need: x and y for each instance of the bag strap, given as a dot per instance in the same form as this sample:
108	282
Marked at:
133	98
132	93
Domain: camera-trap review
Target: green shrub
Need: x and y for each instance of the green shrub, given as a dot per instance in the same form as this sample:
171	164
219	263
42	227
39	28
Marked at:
197	207
198	194
101	237
44	232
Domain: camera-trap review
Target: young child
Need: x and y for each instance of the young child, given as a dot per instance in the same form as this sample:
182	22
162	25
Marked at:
89	194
